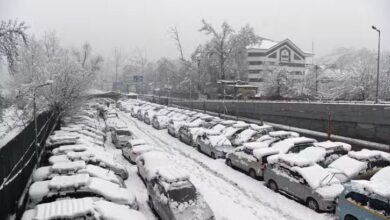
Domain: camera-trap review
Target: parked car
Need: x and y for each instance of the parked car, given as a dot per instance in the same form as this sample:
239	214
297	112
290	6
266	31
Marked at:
237	128
293	144
120	136
175	125
276	136
161	121
357	165
214	144
95	157
78	186
304	180
250	158
187	133
132	153
174	197
366	199
149	162
250	134
74	167
82	208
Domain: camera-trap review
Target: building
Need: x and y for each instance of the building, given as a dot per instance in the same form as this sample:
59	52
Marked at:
267	55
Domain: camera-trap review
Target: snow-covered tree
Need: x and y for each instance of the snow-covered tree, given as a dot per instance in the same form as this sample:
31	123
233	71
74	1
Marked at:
12	36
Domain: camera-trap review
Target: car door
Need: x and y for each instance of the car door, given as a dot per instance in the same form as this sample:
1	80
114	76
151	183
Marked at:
234	156
298	186
246	159
162	202
283	179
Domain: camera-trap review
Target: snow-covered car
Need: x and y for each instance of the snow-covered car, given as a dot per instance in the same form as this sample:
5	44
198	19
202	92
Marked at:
74	147
82	208
132	153
134	142
111	123
141	112
161	121
304	180
293	145
214	144
250	158
363	199
120	136
359	164
95	157
174	197
74	167
250	134
175	125
78	186
235	129
149	162
276	136
79	128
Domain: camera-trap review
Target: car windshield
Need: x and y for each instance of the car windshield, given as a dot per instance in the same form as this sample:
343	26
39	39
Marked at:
182	194
123	132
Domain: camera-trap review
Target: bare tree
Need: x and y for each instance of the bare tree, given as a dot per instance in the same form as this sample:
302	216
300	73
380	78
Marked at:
175	36
219	42
12	33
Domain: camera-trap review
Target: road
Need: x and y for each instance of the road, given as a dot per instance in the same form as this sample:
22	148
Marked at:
230	193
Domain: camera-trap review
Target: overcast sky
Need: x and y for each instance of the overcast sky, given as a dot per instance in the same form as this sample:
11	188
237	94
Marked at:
144	24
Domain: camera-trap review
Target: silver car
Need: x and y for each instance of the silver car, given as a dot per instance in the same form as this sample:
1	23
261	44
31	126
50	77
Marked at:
215	145
250	159
304	180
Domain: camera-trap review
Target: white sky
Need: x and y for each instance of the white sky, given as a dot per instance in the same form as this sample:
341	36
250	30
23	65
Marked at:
144	24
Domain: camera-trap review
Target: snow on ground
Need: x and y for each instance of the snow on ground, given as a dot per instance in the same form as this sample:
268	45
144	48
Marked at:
230	194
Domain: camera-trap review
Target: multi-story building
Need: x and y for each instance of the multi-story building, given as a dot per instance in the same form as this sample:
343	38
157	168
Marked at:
264	57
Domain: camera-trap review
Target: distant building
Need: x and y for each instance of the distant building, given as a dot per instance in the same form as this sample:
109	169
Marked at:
268	54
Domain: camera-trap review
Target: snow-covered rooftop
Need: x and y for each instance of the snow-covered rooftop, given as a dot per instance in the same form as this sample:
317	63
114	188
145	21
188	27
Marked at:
263	45
329	145
365	154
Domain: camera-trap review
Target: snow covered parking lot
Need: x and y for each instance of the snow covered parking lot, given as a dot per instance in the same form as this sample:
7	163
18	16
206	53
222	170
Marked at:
230	194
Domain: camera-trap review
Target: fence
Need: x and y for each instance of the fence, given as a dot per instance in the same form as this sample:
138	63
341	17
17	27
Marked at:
17	160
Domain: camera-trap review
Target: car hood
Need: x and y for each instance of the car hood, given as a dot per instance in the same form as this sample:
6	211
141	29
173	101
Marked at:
330	192
198	210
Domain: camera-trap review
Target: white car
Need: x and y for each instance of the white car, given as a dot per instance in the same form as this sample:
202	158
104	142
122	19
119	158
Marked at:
79	185
74	167
132	153
82	208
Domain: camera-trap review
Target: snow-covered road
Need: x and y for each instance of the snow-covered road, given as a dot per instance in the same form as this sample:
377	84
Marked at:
231	194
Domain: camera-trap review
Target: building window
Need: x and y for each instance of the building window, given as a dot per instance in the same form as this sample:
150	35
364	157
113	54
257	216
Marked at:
255	62
285	56
297	73
272	55
254	71
256	80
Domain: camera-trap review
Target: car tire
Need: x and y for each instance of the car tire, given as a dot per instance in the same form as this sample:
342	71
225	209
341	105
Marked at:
350	217
252	173
213	155
273	186
312	204
229	162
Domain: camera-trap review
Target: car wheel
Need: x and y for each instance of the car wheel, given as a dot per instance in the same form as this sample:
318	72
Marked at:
312	204
252	173
229	162
273	186
213	155
350	217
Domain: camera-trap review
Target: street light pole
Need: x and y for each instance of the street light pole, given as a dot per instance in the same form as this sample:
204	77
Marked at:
377	68
49	82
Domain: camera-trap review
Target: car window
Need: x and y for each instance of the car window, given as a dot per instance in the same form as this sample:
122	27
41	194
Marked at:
248	151
298	177
380	206
294	149
357	198
123	132
182	194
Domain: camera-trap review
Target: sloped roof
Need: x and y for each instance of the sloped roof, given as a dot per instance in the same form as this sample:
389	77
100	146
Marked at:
267	45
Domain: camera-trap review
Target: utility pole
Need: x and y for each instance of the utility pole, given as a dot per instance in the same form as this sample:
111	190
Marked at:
316	72
377	69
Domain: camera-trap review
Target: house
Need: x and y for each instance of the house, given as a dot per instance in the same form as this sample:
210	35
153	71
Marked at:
267	55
